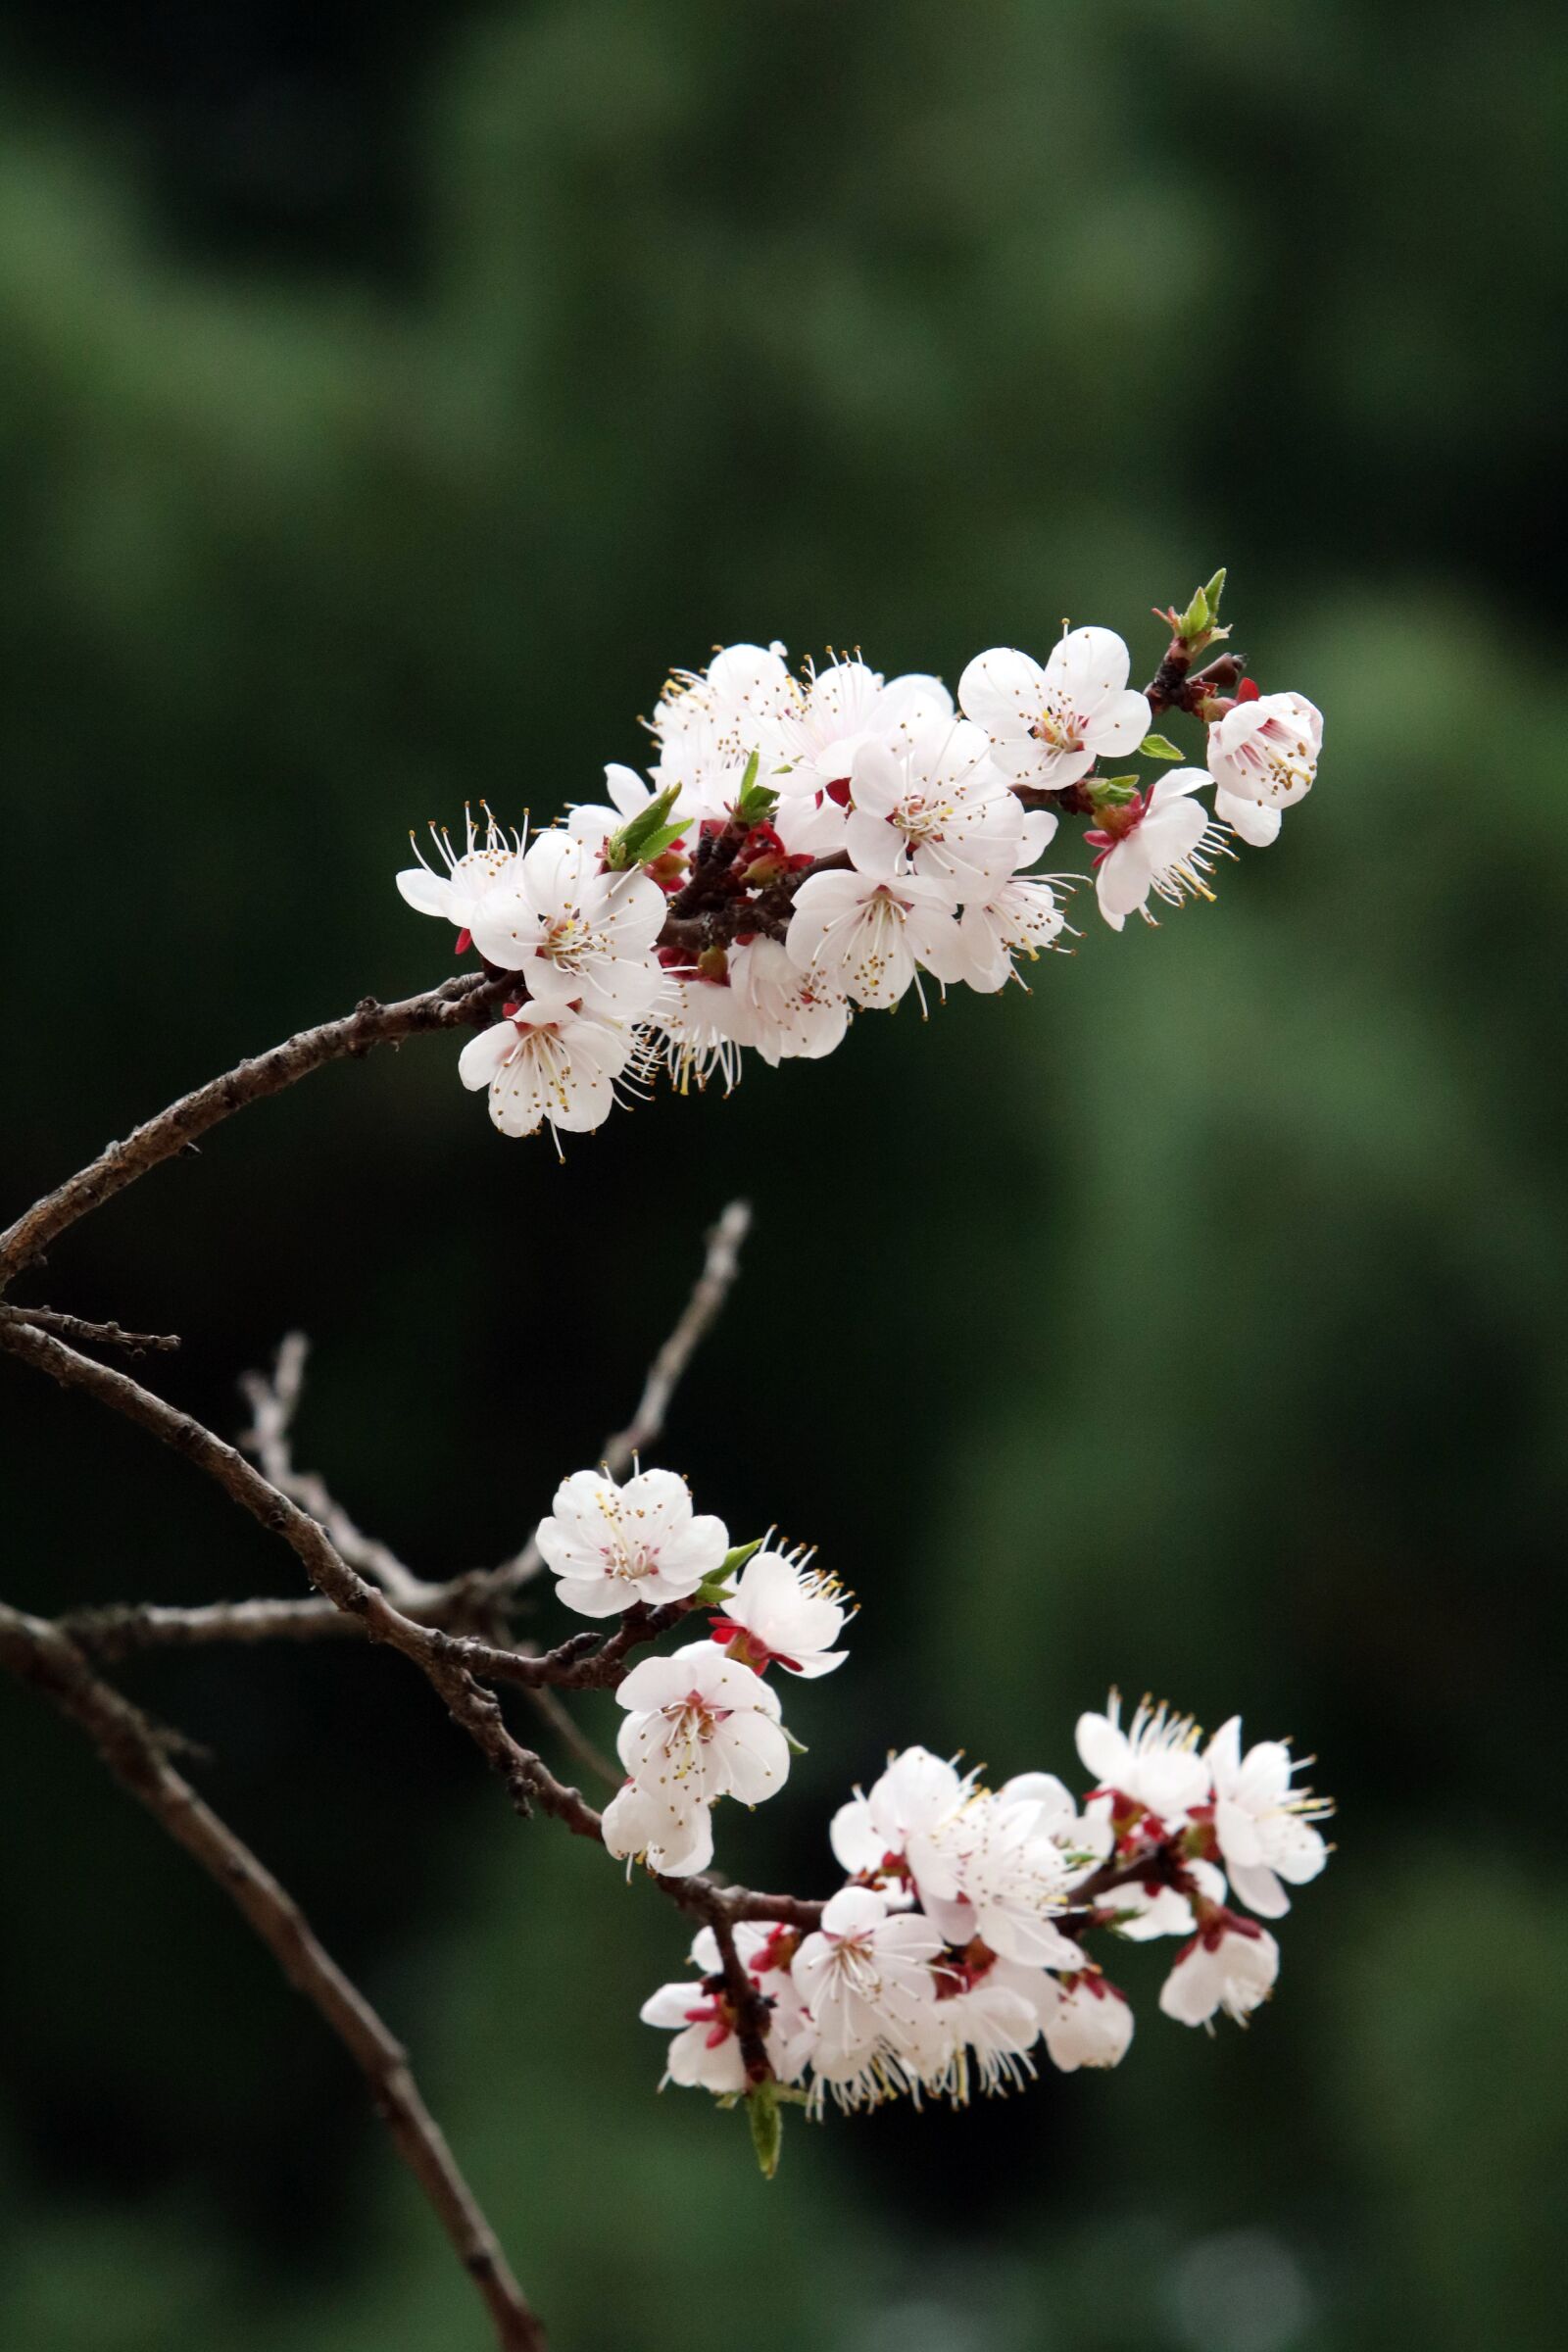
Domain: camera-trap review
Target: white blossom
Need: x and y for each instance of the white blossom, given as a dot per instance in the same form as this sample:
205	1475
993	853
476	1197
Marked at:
1016	916
577	935
782	1010
471	873
1231	1964
548	1065
1264	1829
866	938
1147	1909
837	710
916	1794
629	794
1155	1762
867	1979
940	808
706	2051
988	1870
981	2033
612	1544
670	1826
1050	725
1085	2021
1160	844
1264	755
782	1610
699	1728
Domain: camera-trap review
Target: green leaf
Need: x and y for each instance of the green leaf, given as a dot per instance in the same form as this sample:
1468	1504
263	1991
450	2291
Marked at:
1112	791
1156	747
797	1747
714	1591
643	835
755	803
1194	621
767	2126
1213	592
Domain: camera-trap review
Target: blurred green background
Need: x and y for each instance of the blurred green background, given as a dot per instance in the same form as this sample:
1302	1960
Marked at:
390	398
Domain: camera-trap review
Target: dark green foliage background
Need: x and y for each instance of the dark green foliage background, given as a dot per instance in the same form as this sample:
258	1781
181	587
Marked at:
389	399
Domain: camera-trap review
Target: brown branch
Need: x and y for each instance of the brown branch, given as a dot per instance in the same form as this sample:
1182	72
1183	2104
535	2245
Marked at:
40	1654
94	1335
455	1003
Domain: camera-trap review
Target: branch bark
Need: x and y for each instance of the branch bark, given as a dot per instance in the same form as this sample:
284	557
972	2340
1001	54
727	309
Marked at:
39	1653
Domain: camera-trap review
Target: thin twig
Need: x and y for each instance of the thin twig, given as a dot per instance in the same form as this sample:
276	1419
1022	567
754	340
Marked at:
94	1335
455	1003
40	1654
274	1401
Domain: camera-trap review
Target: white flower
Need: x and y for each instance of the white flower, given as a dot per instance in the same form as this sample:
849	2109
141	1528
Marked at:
1154	1762
671	1828
989	2024
472	873
782	1610
987	1870
1083	1839
1264	1827
706	2051
611	1546
866	938
1264	755
1088	2022
1161	842
1049	726
784	1012
940	808
837	710
865	1977
1149	1908
713	719
705	1024
911	1801
1231	1964
699	1728
546	1066
578	936
1019	918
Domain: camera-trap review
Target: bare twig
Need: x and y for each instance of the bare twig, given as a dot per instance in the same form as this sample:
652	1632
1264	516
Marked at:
455	1003
94	1335
274	1401
40	1654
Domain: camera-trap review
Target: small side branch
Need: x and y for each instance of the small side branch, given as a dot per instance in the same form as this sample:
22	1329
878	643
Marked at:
94	1335
40	1654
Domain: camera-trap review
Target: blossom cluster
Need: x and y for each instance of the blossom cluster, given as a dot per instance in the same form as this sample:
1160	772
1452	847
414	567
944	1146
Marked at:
807	844
957	1945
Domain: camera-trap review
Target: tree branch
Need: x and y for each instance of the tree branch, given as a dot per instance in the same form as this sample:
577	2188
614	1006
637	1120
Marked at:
94	1335
455	1005
39	1653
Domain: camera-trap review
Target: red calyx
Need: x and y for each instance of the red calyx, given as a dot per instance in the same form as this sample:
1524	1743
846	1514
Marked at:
465	942
1247	690
838	792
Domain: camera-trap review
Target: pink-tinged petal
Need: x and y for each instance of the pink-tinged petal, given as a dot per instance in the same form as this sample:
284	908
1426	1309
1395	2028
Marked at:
1258	826
1259	1890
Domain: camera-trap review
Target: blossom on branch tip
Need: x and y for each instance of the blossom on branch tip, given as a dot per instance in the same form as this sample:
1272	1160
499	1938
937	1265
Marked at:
1047	727
1264	1827
1265	750
1155	1762
611	1546
699	1728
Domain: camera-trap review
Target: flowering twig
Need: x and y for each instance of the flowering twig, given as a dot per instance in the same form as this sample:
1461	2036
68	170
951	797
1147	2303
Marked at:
133	1751
447	1661
119	1630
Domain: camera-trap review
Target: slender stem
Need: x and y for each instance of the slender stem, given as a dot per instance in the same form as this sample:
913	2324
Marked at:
39	1653
454	1005
94	1335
